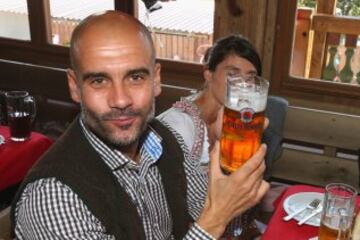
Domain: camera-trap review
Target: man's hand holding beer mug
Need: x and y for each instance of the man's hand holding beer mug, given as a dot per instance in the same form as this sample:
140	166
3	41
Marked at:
237	163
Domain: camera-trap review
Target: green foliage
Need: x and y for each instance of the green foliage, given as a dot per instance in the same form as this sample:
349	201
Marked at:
307	3
345	7
349	7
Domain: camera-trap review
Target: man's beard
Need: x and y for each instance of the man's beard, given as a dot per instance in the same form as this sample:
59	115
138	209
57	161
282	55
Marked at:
96	123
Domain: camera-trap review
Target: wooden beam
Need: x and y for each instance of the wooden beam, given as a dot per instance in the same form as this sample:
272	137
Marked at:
269	38
335	24
39	20
285	25
317	55
326	6
127	6
319	43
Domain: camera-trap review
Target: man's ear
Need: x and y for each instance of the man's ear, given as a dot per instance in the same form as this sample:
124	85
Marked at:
157	79
73	87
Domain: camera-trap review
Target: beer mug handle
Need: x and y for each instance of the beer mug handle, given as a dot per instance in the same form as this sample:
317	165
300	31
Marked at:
31	101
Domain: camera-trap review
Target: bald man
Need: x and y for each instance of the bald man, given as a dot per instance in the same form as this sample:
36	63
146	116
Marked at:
117	173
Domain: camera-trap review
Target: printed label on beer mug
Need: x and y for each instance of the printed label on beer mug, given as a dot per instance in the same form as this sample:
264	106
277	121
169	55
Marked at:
240	139
246	115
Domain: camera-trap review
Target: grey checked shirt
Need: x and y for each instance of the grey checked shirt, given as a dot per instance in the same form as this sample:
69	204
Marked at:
49	209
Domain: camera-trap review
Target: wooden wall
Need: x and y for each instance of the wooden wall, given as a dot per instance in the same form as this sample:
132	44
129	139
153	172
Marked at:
254	19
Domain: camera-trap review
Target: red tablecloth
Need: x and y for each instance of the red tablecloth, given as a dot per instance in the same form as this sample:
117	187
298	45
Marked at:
16	158
279	229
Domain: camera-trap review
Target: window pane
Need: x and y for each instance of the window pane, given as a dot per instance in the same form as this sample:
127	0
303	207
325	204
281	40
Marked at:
14	20
348	8
66	14
322	49
182	29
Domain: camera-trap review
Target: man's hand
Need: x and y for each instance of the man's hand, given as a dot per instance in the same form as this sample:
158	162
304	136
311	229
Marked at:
231	195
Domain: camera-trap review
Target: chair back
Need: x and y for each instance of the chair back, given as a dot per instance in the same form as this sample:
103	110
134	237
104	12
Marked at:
5	224
275	111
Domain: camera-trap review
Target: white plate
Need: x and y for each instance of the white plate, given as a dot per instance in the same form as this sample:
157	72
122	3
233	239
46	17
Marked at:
299	200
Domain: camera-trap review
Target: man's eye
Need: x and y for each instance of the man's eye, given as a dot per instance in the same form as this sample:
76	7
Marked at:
97	81
137	77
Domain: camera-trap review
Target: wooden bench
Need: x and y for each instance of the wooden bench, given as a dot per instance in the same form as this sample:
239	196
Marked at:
319	147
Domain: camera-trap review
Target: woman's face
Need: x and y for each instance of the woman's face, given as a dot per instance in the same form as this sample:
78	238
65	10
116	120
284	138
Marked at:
216	80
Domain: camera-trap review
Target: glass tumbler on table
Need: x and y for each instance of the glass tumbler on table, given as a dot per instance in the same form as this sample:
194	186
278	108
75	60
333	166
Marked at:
338	212
21	111
243	120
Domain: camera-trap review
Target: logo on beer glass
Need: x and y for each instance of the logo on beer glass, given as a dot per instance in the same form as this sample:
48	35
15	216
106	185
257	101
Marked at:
246	115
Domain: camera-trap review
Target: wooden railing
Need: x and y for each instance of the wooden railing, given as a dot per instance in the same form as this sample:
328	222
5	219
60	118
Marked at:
181	46
327	46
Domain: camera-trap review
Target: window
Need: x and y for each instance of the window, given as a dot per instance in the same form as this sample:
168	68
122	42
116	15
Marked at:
317	52
66	14
52	21
14	19
182	30
47	45
342	51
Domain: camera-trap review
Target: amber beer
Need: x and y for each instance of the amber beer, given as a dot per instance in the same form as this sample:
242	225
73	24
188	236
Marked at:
243	121
332	233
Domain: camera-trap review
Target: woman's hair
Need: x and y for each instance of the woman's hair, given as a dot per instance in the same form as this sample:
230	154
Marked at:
232	45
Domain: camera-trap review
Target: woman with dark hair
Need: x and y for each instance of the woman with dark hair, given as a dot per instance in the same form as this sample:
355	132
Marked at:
197	118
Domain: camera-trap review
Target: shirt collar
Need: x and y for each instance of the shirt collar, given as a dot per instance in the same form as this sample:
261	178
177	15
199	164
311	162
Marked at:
151	145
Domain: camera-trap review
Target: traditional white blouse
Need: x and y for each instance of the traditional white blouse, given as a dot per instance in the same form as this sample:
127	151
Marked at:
184	118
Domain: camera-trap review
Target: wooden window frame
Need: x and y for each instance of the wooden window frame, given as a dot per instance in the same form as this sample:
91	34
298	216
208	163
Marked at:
292	86
40	50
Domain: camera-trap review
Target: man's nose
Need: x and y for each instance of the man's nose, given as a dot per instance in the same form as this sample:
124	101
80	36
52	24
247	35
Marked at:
119	96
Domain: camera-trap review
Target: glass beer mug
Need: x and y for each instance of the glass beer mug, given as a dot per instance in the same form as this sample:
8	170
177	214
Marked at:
243	120
21	112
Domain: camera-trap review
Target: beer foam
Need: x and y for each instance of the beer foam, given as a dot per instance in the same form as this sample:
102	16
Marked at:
253	100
